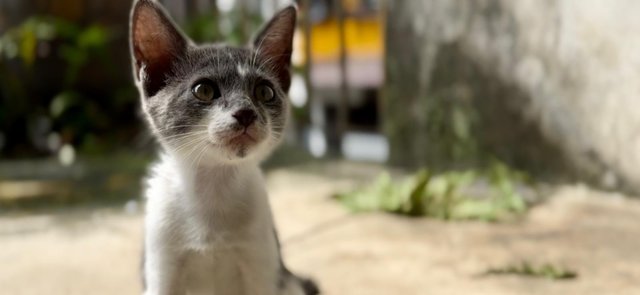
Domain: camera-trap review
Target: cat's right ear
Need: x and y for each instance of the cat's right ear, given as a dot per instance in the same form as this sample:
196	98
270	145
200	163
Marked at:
156	44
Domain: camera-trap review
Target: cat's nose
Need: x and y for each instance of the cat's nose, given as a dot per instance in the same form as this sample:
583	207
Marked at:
245	117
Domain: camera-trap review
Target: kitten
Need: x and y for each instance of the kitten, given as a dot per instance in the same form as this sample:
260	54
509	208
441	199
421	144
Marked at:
217	111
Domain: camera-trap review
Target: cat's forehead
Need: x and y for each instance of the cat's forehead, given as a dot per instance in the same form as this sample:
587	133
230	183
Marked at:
223	59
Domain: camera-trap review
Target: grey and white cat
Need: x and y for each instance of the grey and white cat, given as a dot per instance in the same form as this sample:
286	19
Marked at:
217	111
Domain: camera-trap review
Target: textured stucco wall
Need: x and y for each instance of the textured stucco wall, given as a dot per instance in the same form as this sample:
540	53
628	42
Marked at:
568	70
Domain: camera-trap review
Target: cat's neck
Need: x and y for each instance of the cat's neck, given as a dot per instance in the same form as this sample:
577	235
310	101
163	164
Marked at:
204	177
226	196
212	171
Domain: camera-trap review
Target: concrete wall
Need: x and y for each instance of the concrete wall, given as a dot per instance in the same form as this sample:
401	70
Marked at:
556	84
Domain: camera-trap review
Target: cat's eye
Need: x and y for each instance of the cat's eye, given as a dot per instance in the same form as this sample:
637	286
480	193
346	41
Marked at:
264	92
206	90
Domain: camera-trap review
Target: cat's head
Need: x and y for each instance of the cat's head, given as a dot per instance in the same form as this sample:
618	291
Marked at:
212	103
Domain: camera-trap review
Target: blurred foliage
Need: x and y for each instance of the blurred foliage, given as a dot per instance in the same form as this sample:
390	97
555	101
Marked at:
241	26
445	196
76	45
60	84
65	83
235	27
548	271
203	28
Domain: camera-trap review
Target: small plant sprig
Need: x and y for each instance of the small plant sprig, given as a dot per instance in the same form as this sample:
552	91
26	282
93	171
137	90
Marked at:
525	268
445	196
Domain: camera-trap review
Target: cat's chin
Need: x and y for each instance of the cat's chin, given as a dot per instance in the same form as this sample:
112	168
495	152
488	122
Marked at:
225	149
241	142
239	149
244	144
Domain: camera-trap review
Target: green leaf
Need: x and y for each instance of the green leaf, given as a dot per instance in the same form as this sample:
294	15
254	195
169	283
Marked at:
62	102
93	36
28	47
416	203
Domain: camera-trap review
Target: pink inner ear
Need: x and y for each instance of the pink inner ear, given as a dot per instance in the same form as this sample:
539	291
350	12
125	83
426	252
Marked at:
151	39
273	44
157	43
277	37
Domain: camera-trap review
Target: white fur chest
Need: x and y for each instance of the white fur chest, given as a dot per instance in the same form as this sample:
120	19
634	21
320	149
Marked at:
241	269
213	227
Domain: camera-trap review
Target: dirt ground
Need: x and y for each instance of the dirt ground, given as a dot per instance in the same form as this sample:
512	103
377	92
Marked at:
96	251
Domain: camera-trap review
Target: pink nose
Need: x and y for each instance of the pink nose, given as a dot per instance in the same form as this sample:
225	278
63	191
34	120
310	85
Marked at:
245	117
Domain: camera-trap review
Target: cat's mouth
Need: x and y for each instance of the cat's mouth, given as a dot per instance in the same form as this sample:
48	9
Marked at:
242	139
239	142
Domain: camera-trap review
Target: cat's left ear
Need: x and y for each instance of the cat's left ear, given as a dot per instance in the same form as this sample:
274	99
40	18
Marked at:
156	44
274	44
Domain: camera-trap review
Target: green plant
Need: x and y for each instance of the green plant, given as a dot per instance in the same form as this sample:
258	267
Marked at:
233	28
77	44
525	268
445	196
64	74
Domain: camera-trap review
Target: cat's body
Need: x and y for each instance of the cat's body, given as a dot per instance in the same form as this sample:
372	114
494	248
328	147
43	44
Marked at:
217	112
224	245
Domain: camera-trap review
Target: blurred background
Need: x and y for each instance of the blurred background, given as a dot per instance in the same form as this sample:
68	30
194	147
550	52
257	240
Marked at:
510	128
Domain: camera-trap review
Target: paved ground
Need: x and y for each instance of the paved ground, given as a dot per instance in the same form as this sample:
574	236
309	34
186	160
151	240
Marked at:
597	234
